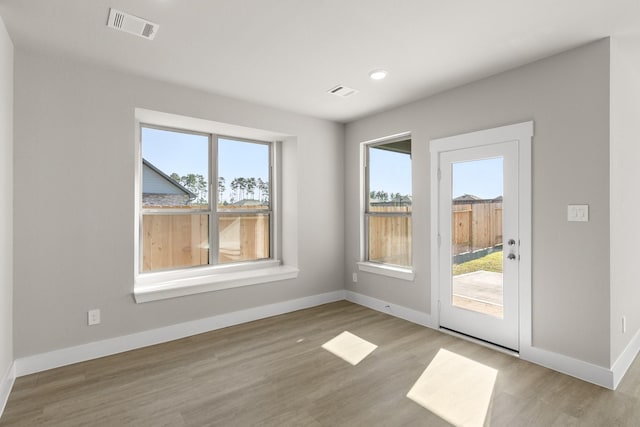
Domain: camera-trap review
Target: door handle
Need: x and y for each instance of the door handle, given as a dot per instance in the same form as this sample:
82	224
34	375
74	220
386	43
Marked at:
511	256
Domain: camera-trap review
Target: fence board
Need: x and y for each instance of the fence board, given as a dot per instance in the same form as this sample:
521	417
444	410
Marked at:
476	225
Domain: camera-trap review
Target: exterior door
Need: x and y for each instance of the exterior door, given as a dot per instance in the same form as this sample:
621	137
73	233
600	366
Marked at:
478	203
481	223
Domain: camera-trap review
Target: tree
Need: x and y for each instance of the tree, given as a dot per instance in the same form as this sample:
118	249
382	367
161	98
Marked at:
382	196
251	185
263	190
234	187
221	188
242	186
259	184
196	184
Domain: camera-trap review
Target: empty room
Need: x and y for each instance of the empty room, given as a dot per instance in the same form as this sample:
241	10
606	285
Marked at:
329	213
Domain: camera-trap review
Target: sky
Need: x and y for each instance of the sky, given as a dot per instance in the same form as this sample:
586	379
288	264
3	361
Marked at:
482	178
389	172
185	153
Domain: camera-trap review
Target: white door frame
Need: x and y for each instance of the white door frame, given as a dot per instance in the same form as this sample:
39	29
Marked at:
523	133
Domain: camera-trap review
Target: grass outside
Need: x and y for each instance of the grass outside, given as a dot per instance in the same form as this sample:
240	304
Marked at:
491	262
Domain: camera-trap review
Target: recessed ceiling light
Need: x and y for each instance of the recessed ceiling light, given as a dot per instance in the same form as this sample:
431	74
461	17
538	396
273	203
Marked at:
377	74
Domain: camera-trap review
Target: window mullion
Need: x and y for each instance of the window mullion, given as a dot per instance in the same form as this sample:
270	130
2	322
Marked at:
214	240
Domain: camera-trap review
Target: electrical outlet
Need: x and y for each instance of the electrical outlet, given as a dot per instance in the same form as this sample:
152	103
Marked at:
355	277
93	317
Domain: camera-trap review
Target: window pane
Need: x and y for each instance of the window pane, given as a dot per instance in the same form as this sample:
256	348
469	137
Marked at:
175	170
172	241
243	237
243	175
390	177
390	240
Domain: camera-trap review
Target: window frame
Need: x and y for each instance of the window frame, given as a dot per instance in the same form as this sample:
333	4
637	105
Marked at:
181	281
229	212
365	264
142	211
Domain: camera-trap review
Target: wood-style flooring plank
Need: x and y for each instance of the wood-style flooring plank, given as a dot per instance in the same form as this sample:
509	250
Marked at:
273	372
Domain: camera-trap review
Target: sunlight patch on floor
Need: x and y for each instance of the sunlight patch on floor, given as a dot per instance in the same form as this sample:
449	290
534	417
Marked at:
455	388
349	347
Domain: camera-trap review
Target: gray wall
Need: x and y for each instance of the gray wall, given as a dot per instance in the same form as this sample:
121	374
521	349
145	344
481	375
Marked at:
6	201
567	96
625	178
74	250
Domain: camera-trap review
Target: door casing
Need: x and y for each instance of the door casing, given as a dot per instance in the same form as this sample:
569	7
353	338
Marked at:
502	331
522	133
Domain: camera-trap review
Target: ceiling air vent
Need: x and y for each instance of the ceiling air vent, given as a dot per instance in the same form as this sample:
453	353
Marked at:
132	24
342	91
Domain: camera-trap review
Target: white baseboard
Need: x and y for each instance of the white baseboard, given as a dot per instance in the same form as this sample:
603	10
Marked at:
80	353
396	310
6	384
568	365
599	375
626	358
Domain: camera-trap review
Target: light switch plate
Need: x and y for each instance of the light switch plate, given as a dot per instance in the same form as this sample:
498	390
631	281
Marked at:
579	213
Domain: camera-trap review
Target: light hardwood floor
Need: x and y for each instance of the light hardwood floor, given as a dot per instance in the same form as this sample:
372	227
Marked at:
273	372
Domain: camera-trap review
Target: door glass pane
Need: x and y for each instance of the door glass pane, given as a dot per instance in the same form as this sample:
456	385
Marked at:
476	221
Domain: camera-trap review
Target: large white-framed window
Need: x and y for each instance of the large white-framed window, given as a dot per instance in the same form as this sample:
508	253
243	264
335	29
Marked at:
387	199
205	199
207	210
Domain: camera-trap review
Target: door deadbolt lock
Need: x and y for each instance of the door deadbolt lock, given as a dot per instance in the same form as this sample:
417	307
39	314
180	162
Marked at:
511	242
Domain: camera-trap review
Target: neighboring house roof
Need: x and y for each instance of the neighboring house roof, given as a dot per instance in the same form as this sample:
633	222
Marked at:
466	197
155	181
471	199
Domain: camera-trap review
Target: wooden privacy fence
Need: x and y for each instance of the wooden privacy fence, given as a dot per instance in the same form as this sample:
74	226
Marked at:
172	241
477	224
390	236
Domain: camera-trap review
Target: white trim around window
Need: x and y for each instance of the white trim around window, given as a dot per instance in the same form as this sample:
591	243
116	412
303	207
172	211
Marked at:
158	285
172	284
387	270
364	264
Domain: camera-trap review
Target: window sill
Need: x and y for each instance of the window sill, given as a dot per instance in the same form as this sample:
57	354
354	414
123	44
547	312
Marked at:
165	285
387	270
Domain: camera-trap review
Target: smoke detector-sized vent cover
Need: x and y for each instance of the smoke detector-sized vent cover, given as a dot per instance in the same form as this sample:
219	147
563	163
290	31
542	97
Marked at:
342	91
132	24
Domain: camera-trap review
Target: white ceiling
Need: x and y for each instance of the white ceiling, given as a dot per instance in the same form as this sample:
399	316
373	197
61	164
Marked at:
288	53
